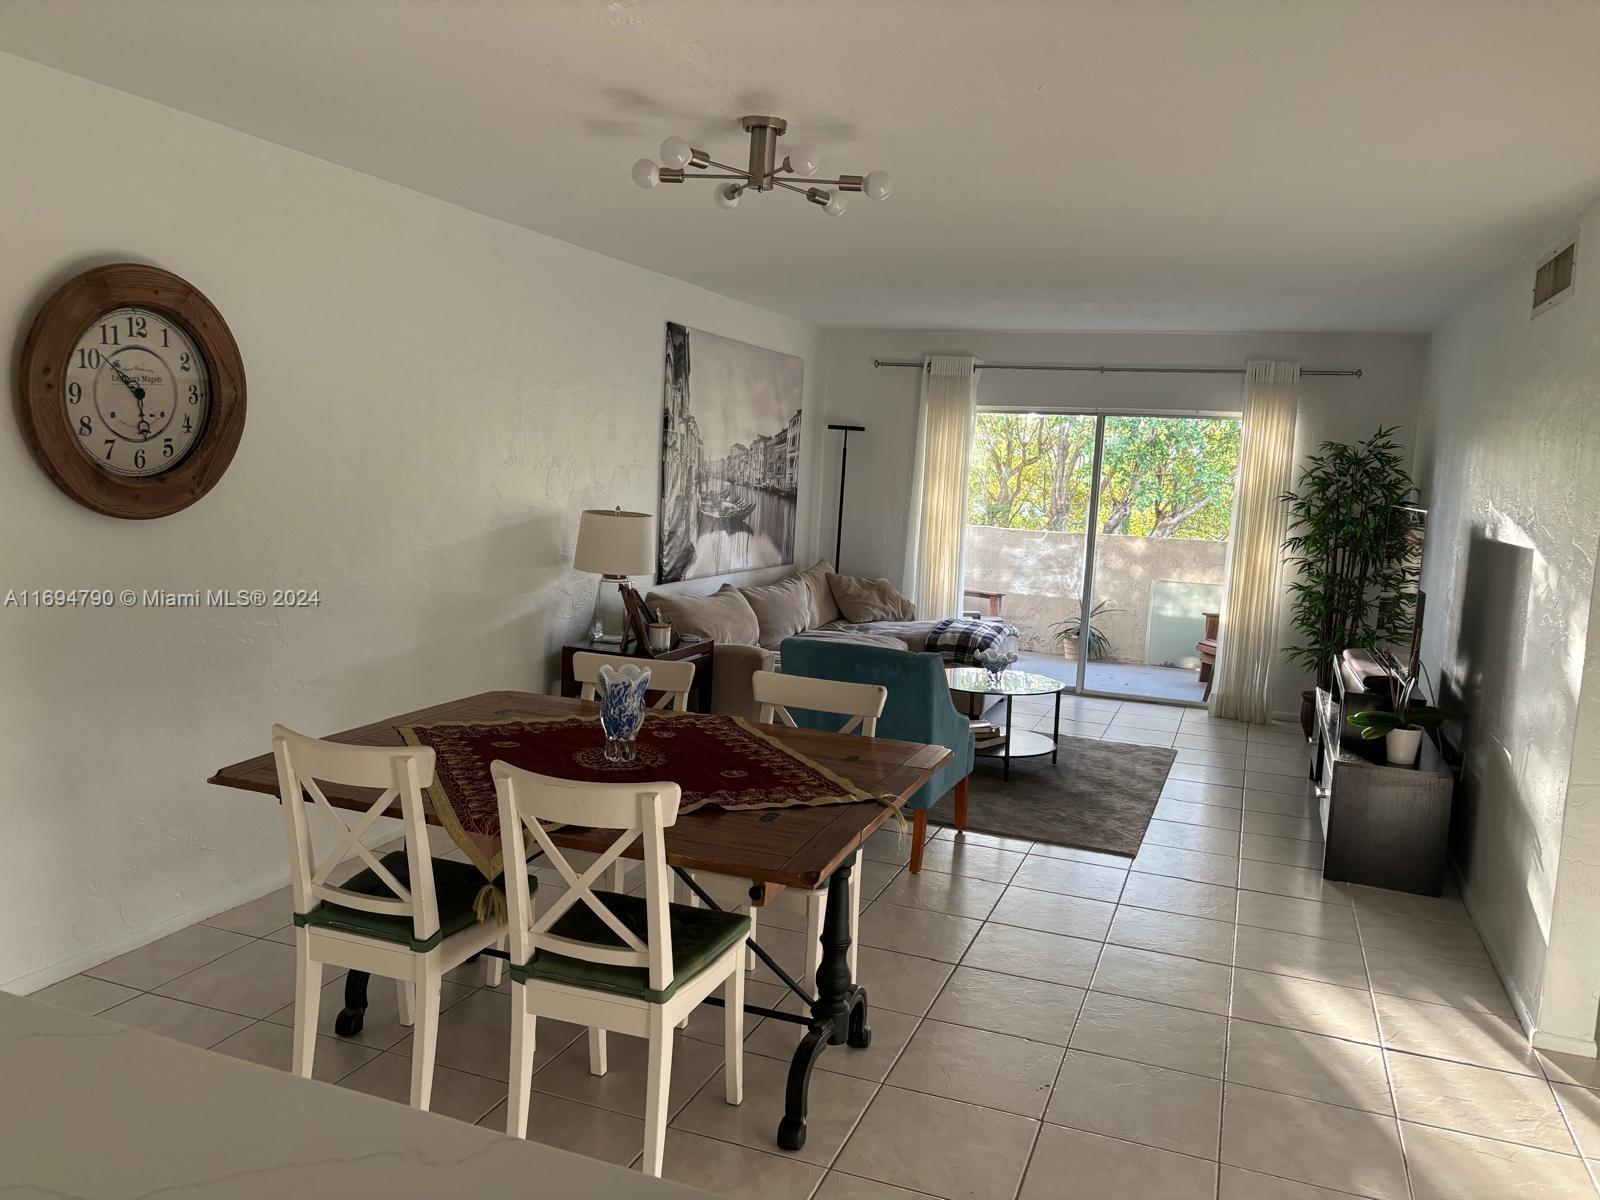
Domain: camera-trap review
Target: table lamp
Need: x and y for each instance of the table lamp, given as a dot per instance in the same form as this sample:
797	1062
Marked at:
614	545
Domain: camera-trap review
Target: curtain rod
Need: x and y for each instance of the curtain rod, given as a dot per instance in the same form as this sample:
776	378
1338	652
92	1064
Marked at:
1105	370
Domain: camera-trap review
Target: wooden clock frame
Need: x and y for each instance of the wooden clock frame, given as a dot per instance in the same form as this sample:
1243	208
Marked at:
41	375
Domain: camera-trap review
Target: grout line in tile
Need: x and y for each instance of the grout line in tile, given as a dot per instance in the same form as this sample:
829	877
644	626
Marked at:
921	1019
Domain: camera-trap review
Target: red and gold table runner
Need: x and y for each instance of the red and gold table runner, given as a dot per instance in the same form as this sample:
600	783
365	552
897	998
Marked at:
715	760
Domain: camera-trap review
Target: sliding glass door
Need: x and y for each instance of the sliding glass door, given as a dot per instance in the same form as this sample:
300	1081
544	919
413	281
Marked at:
1029	488
1126	518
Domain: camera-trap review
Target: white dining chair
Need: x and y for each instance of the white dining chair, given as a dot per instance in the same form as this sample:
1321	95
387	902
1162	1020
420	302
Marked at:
634	964
861	704
406	916
671	678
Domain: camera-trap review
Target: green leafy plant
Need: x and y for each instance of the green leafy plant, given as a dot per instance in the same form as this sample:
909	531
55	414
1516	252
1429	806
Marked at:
1349	551
1073	627
1408	714
1376	723
1162	477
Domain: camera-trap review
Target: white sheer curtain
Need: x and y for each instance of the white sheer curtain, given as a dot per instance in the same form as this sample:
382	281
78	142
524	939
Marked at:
939	485
1247	644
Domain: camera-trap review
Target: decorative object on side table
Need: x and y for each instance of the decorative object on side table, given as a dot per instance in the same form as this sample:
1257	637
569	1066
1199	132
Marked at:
1070	631
986	735
997	659
640	620
614	545
1402	725
1351	554
622	692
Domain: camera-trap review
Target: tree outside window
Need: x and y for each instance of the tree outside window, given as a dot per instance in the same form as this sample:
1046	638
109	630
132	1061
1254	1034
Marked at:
1161	477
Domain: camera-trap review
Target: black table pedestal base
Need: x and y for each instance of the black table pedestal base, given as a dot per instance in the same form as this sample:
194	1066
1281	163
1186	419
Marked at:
354	1013
838	1015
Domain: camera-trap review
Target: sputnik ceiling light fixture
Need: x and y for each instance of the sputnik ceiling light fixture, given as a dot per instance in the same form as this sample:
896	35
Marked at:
765	171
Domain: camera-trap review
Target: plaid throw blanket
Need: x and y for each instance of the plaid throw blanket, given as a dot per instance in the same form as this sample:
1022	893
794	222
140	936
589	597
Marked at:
958	639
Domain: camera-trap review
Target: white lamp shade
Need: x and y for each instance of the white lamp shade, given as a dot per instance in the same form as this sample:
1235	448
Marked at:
614	542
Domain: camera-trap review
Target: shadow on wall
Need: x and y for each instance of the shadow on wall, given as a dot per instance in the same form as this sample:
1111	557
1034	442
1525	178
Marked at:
510	588
505	592
1490	816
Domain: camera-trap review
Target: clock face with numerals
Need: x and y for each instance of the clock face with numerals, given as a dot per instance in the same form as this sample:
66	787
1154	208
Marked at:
137	392
131	391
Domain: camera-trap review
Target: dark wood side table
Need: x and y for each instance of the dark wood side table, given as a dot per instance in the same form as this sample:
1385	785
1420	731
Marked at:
697	652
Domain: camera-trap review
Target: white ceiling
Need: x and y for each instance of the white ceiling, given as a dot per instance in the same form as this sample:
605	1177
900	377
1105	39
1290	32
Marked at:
1108	165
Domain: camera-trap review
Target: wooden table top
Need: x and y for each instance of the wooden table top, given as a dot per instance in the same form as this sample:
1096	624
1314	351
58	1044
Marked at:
777	847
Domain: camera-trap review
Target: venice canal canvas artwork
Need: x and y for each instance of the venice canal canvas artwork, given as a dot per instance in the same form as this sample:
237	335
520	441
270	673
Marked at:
730	456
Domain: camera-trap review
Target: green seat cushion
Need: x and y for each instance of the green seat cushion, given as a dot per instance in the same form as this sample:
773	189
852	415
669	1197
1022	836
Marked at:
699	937
455	887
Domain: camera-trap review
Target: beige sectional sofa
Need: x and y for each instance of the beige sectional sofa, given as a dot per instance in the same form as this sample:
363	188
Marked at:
749	623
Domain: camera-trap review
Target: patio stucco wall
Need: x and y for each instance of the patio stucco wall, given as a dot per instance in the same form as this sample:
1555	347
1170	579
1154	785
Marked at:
1042	574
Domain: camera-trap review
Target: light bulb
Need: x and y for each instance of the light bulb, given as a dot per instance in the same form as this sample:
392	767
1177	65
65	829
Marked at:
803	160
676	152
835	205
646	174
877	185
727	195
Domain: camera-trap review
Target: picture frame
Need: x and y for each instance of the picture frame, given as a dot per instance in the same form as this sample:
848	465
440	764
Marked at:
639	619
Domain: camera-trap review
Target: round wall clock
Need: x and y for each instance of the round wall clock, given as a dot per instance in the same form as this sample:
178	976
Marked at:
130	391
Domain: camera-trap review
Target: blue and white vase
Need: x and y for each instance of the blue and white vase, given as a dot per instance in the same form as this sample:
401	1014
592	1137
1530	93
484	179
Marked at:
622	706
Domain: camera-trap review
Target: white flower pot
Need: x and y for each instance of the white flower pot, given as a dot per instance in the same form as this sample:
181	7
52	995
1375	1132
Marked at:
1402	745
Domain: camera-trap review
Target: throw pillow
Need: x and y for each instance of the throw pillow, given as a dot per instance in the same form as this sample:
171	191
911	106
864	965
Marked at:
782	609
824	607
864	600
723	617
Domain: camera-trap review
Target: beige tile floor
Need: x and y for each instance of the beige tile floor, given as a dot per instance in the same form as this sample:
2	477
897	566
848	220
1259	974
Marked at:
1123	679
1216	1022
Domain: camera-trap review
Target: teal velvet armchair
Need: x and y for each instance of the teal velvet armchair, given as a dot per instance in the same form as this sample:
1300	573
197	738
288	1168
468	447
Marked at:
919	709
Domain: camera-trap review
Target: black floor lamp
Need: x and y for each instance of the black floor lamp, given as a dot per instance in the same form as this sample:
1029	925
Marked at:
844	463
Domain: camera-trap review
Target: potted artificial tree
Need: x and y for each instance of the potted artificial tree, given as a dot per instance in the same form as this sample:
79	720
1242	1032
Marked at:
1349	554
1074	628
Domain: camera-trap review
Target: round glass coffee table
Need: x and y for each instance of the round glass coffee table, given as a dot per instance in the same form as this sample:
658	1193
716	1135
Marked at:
1021	743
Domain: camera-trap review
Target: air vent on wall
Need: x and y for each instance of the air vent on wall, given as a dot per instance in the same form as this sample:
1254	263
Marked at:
1552	281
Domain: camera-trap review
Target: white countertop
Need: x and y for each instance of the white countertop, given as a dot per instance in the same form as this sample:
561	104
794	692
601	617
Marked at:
92	1109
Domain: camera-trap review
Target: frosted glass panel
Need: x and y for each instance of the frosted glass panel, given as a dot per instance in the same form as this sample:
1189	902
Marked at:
1176	623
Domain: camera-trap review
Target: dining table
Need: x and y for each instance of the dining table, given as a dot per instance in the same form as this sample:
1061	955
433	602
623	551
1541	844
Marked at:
805	847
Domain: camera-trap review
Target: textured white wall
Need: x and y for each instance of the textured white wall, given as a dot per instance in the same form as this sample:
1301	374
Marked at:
885	401
433	396
1511	435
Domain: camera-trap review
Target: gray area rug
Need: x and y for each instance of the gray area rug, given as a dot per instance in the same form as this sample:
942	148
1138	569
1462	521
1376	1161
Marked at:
1098	796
